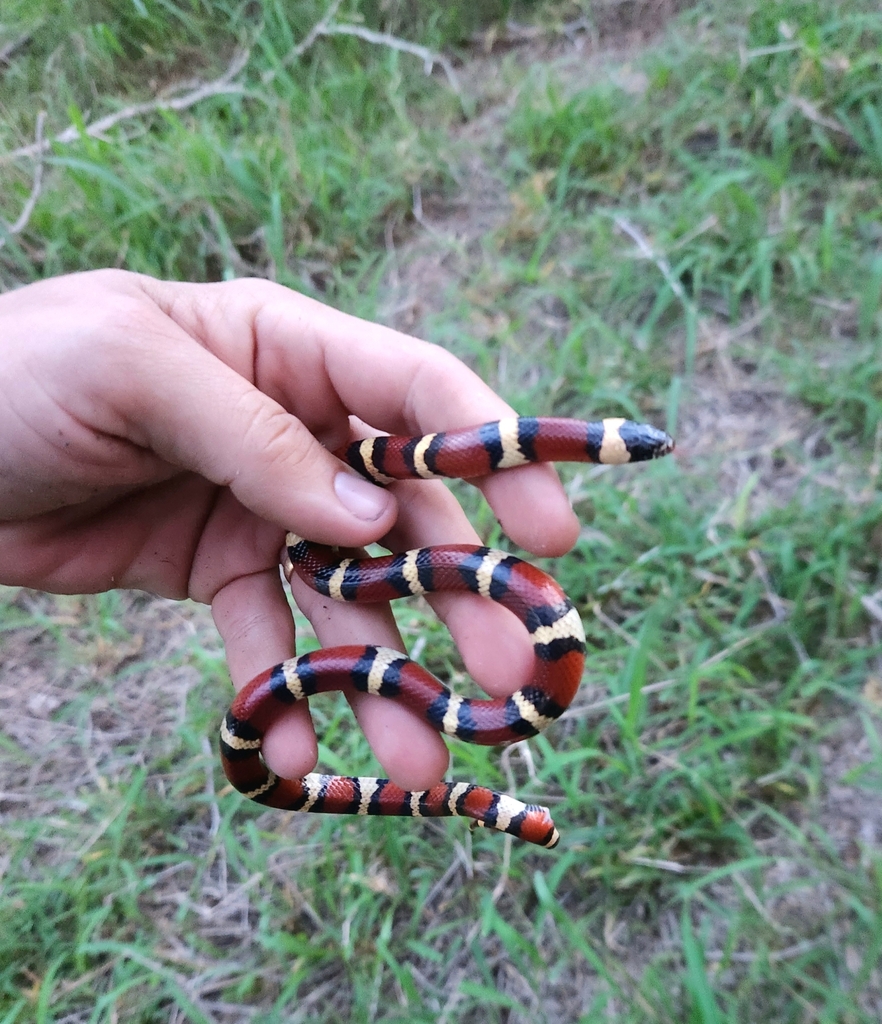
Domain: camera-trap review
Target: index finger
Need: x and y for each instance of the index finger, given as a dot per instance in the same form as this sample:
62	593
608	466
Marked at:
404	385
320	364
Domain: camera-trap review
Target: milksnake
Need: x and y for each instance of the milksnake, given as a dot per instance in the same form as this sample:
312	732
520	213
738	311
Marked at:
537	600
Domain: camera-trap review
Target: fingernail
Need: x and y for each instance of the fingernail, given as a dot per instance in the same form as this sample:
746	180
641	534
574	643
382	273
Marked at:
364	500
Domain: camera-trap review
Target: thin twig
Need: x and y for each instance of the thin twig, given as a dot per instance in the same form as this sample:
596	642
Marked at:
164	970
441	884
757	905
319	993
773	955
872	606
455	980
209	788
777	605
326	26
675	867
28	208
219	86
708	224
619	631
673	763
429	57
765	51
646	250
307	41
502	881
417	209
12	47
811	112
99	832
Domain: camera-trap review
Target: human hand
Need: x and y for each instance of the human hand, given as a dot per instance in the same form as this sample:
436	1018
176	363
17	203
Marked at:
164	436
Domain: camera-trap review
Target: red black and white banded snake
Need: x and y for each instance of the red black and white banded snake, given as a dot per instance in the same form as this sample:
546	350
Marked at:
536	599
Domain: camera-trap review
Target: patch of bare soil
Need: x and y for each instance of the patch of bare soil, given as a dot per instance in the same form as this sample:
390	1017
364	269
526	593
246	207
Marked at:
79	706
440	256
850	814
739	420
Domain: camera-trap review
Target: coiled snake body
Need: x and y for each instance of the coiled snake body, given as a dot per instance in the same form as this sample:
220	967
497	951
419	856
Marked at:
535	598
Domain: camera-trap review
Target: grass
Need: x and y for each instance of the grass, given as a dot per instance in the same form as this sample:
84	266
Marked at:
687	233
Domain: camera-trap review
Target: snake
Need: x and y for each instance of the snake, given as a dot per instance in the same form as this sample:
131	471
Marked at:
538	601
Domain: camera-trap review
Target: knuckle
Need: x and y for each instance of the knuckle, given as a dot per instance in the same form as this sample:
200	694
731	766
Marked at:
286	448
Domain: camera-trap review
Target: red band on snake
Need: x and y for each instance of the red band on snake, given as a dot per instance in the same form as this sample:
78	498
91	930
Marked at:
534	597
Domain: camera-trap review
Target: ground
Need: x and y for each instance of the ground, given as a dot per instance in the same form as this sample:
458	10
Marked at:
675	897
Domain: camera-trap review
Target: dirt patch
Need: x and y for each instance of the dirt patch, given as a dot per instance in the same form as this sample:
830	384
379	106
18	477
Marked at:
610	24
79	707
437	254
849	812
738	423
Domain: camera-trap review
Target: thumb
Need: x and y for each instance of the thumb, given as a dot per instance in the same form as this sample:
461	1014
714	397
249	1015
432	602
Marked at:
196	412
